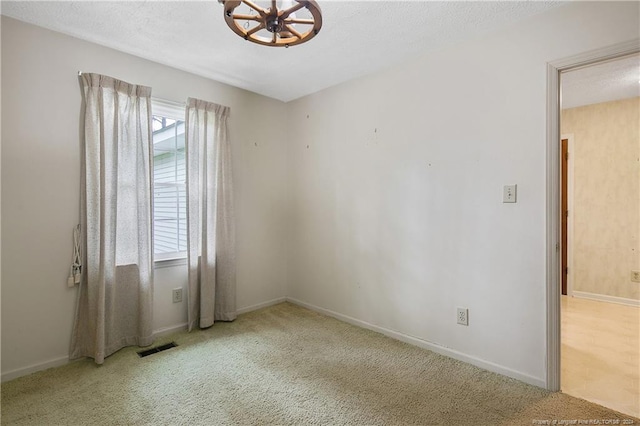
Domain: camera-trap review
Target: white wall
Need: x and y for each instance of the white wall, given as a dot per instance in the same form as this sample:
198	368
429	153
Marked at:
41	182
396	188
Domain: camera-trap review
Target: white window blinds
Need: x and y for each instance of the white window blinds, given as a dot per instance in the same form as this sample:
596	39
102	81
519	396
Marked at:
169	195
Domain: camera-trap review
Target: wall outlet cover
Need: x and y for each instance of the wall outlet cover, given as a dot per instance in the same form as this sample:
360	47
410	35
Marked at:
510	194
462	316
177	295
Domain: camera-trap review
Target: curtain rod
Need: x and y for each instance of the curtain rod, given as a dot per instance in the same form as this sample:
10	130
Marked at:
165	101
168	102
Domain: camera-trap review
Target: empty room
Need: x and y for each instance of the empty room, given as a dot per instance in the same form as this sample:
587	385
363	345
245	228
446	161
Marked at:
296	212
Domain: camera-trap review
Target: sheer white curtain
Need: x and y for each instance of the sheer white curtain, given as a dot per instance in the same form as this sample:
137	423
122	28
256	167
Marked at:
210	217
115	297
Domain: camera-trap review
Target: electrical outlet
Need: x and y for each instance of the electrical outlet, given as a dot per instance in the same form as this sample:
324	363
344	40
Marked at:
177	295
463	316
635	276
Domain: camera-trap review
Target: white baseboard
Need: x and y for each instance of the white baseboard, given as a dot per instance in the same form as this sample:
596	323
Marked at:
19	372
57	362
169	330
181	327
606	298
261	305
442	350
10	375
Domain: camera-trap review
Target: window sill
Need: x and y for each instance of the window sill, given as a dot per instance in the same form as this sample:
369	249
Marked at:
170	262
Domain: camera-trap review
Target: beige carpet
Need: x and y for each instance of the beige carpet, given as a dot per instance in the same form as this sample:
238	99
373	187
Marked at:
284	365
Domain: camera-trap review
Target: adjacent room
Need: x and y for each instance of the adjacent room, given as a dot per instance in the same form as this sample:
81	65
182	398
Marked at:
600	133
297	212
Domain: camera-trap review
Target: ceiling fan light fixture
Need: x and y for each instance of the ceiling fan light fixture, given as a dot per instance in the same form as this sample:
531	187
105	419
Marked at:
282	25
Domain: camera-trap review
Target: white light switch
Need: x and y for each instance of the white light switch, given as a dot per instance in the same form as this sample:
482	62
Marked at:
509	193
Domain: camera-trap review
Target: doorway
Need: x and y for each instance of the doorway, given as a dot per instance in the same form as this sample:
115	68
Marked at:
553	204
599	232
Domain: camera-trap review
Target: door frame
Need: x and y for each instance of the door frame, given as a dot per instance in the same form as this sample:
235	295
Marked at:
553	201
570	164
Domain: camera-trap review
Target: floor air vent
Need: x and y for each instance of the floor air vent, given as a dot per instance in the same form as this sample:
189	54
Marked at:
157	349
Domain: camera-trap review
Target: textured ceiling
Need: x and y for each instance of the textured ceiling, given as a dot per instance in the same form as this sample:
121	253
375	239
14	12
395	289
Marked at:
357	38
608	81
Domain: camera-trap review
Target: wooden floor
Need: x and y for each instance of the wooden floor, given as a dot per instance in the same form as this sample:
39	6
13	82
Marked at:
601	353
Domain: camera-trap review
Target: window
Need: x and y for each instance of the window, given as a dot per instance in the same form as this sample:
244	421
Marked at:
169	194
